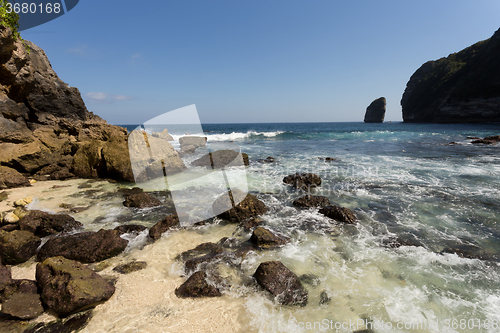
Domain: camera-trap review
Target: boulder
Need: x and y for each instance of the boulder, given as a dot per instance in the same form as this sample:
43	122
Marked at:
18	246
251	223
265	239
130	228
222	158
196	141
68	286
266	160
338	213
23	306
328	159
309	201
197	286
201	255
163	135
44	224
5	276
10	218
303	181
141	200
248	206
10	178
161	227
489	140
86	247
18	286
282	283
375	112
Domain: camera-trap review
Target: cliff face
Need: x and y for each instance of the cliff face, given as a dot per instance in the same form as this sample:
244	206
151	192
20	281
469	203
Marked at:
463	87
375	112
46	131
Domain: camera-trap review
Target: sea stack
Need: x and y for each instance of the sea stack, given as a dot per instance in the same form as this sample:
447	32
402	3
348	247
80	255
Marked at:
375	112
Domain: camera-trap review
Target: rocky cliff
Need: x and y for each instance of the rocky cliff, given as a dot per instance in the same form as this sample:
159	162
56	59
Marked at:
463	87
375	112
46	132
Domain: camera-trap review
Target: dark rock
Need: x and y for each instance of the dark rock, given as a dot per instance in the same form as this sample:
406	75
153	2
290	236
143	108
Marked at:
86	247
265	239
23	306
407	240
247	206
18	246
463	87
468	251
268	159
222	158
73	323
68	286
310	279
18	286
201	262
161	227
303	181
195	141
282	283
338	213
309	201
324	298
251	223
44	224
328	159
201	250
130	228
375	112
197	286
131	267
5	277
10	178
489	140
141	200
229	242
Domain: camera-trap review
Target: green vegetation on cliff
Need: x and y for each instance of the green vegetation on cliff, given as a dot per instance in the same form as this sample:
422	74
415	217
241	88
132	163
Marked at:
462	87
9	18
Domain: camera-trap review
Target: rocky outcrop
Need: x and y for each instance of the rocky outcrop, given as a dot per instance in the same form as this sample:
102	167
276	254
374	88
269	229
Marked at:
282	283
68	286
236	206
463	87
303	181
141	200
86	247
44	224
375	112
46	132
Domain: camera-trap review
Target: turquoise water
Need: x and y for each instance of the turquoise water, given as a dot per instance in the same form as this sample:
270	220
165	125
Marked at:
403	181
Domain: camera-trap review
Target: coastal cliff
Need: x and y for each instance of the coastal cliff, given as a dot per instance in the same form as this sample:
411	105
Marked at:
375	112
463	87
46	132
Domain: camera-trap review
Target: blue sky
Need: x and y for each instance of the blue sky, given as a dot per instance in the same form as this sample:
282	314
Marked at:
254	61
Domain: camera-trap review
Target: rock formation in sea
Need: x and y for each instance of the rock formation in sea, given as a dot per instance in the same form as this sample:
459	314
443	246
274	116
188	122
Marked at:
46	132
375	112
463	87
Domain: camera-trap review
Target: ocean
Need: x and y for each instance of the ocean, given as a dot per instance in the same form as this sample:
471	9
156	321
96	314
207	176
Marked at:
423	257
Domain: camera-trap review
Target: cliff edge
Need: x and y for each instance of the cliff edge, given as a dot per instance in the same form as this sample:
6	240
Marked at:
463	87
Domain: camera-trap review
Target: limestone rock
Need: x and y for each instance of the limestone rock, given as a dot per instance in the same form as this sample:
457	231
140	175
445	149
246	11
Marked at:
164	135
68	286
247	206
18	246
86	247
196	141
281	283
375	112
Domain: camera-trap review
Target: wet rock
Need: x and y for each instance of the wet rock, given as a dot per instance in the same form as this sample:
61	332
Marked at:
469	251
328	159
195	141
489	140
23	306
265	239
406	240
130	228
141	200
10	178
86	247
161	227
310	279
3	196
18	286
229	242
197	286
130	267
21	212
303	181
18	246
309	201
10	218
201	250
338	213
248	206
44	224
68	286
251	223
268	159
23	202
282	283
222	158
5	276
72	323
201	262
324	298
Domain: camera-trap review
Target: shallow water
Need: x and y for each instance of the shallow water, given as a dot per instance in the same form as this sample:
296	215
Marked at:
401	180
